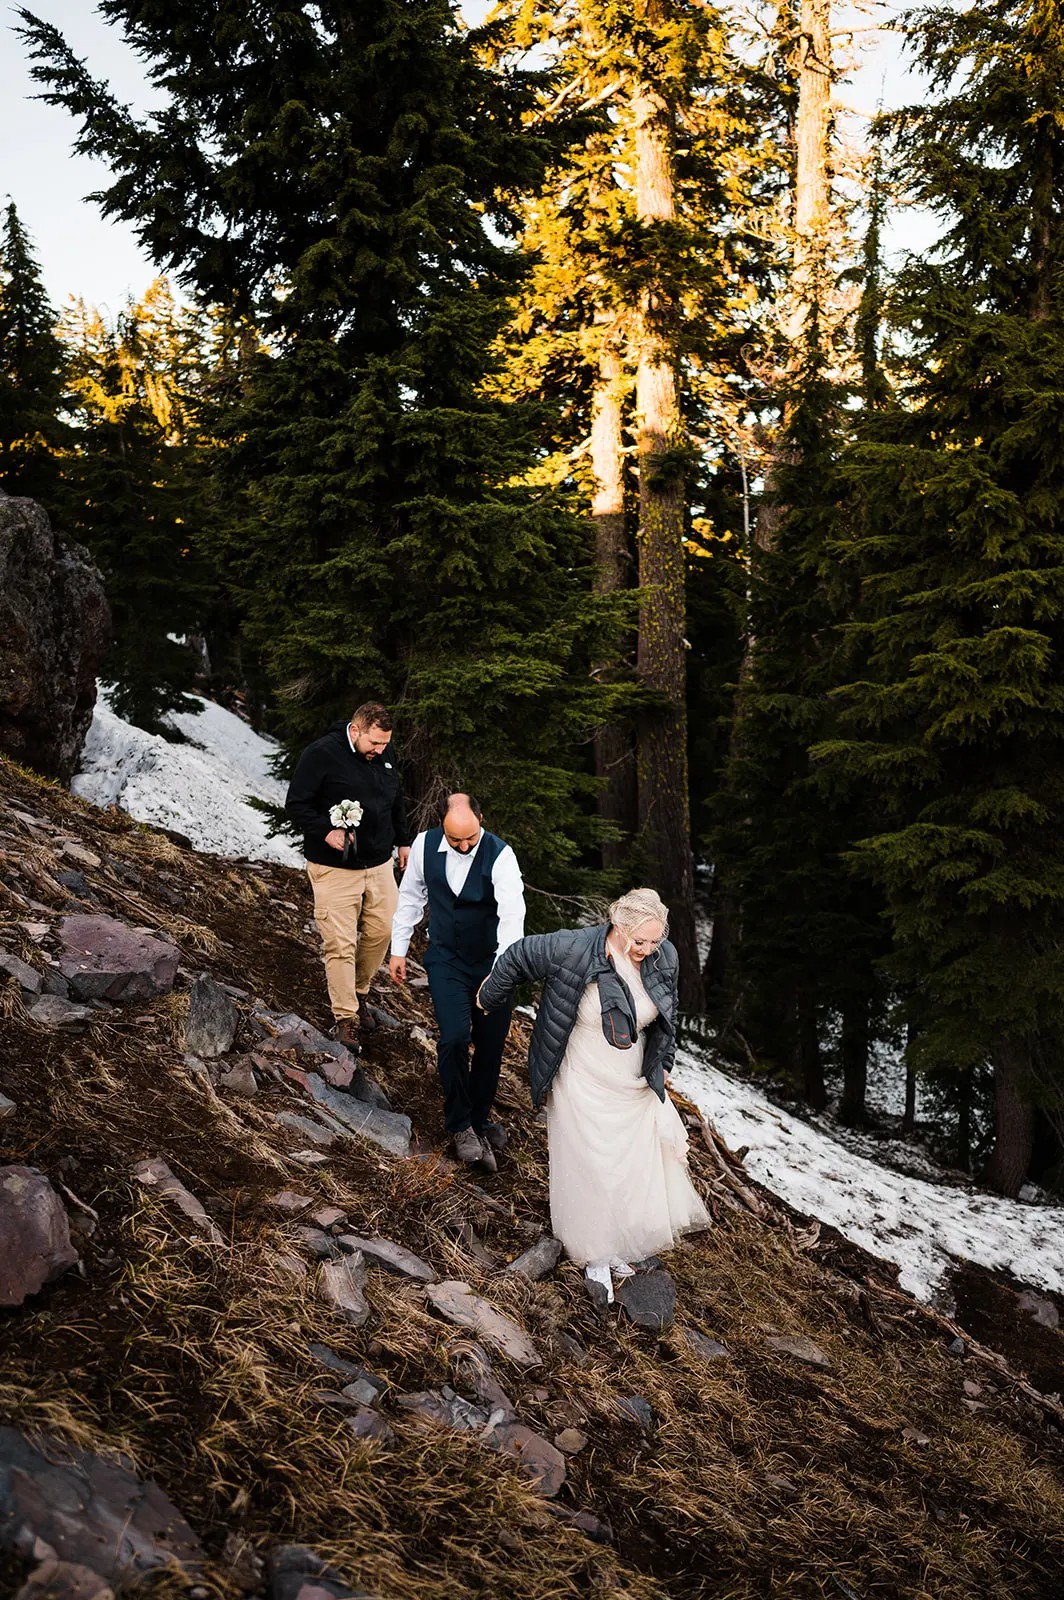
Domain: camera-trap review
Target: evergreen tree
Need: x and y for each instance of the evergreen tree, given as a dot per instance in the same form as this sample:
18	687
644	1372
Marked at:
340	175
31	372
129	493
644	248
957	718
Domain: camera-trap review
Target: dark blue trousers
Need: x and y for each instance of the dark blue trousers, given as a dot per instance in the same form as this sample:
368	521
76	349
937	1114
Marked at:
469	1081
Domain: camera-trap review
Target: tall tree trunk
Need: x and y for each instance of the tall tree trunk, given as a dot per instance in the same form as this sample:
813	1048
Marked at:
855	1042
908	1121
664	804
614	750
810	1060
1010	1159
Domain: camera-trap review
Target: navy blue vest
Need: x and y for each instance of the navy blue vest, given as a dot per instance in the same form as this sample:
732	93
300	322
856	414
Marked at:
463	928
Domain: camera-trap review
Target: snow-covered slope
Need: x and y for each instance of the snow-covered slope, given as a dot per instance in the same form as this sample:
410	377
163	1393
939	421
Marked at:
198	788
923	1226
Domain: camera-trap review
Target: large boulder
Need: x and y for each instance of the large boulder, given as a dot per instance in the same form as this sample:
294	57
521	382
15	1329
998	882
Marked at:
92	1511
104	959
35	1242
55	627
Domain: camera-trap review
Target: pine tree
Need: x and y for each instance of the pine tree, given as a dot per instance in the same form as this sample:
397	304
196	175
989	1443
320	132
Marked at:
957	717
129	494
643	255
31	372
340	176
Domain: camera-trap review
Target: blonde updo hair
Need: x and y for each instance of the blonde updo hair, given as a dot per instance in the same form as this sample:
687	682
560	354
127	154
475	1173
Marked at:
639	906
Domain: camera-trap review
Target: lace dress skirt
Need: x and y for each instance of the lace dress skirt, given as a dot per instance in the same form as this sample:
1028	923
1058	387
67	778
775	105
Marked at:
619	1184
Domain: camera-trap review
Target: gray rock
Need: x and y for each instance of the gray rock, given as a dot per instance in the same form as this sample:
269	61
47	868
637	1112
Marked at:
475	1372
91	1511
363	1392
64	1580
296	1573
799	1347
318	1243
457	1302
444	1407
154	1173
103	959
285	1030
74	880
539	1259
340	1285
365	1088
327	1217
53	982
55	628
387	1129
79	855
291	1201
1036	1306
212	1019
585	1522
383	1253
537	1459
7	1108
568	1347
649	1299
239	1079
379	1014
700	1345
27	977
637	1410
307	1128
469	1240
346	1369
571	1441
369	1425
65	1016
35	1245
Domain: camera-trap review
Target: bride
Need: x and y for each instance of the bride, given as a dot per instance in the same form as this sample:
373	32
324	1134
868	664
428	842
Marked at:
604	1038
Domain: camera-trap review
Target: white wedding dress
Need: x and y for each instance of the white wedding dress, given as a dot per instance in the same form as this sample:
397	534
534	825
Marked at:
619	1185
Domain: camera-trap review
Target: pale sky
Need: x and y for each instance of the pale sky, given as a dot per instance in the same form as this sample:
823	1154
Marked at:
81	254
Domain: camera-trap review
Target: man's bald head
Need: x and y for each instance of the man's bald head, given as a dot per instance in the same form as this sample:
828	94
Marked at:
461	823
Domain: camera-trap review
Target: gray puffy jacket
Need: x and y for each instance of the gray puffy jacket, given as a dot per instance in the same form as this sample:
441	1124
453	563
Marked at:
566	962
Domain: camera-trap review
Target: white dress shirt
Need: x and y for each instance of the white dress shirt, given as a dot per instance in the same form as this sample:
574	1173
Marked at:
413	892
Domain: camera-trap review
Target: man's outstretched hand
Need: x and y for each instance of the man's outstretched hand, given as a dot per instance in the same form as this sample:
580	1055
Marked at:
397	969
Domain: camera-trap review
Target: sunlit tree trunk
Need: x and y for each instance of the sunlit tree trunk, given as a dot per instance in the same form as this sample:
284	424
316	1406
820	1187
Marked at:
664	806
614	751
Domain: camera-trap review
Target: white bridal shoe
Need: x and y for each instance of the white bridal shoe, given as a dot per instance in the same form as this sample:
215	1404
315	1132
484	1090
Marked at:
599	1272
621	1269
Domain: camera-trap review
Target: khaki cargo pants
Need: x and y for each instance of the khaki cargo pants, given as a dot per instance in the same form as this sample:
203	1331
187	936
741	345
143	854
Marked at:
354	910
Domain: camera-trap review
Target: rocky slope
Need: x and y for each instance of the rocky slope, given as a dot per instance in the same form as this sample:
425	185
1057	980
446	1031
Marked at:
259	1337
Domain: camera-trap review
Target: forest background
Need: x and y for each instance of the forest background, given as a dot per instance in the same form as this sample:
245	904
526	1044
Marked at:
548	380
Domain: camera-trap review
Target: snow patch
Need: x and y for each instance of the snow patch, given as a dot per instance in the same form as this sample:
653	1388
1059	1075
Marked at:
924	1227
197	788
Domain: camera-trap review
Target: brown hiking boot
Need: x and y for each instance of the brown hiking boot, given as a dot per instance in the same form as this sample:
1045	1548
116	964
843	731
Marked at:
367	1017
347	1035
468	1148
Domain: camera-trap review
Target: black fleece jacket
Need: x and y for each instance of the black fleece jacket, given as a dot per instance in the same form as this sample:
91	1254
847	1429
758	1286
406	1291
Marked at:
329	771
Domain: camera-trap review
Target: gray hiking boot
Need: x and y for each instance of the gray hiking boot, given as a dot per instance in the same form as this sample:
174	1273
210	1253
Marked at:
467	1147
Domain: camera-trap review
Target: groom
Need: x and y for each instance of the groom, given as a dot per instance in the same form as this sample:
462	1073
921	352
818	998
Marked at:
471	883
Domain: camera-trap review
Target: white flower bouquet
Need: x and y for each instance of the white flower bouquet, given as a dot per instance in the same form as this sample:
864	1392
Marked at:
347	814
